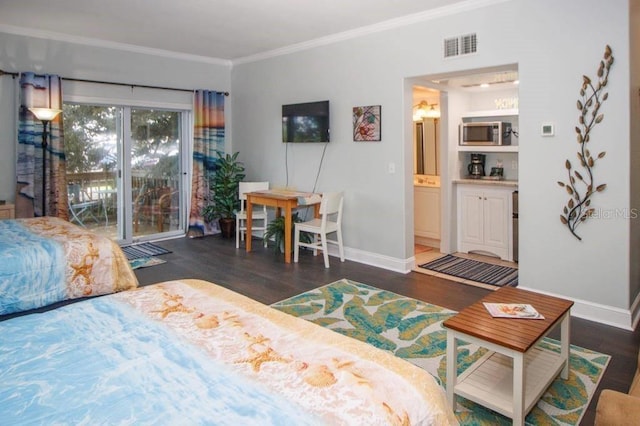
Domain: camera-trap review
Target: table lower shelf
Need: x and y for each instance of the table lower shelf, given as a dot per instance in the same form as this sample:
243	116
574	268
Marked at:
489	381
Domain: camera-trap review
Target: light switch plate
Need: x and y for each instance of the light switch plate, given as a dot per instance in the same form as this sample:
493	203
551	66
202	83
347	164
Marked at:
547	129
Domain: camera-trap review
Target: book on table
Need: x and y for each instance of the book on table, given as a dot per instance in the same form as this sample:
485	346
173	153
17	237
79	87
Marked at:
512	310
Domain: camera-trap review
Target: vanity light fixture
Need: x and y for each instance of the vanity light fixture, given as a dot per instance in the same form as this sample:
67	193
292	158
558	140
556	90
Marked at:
425	110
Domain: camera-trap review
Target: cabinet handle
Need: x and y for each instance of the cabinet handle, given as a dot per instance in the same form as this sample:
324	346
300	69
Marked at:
485	198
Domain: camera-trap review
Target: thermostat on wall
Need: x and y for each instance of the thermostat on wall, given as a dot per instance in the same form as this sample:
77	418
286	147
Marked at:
546	129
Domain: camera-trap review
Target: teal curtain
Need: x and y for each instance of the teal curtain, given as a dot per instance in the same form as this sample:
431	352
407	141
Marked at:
44	91
208	140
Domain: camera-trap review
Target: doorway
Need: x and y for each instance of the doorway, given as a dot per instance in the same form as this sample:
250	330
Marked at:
426	172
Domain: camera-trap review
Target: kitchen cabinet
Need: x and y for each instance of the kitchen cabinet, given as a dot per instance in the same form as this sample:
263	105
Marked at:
426	215
485	220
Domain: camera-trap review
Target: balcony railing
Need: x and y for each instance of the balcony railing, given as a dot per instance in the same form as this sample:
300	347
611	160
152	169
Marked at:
96	194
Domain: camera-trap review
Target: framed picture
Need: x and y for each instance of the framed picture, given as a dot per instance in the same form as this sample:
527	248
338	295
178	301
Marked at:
366	123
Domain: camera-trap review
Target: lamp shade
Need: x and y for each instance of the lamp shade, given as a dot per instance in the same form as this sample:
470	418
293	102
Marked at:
45	114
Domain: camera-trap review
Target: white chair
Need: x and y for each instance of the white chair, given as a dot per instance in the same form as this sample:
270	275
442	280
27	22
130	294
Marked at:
241	216
330	221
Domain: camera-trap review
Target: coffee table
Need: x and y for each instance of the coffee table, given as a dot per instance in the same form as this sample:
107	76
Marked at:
512	376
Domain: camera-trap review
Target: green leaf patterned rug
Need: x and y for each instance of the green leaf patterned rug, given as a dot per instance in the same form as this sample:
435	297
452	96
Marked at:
412	330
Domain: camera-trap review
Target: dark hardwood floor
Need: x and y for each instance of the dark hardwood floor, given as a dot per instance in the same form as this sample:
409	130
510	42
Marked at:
263	276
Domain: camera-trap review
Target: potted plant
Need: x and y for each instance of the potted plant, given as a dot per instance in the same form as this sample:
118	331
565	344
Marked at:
275	230
224	188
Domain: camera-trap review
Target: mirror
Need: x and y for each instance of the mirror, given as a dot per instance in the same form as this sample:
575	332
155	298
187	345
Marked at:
427	138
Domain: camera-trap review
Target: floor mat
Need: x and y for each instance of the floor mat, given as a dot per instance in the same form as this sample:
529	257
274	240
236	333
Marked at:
412	329
474	270
145	262
137	251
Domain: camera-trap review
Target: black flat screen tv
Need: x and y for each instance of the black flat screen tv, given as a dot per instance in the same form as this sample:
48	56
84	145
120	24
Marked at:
306	122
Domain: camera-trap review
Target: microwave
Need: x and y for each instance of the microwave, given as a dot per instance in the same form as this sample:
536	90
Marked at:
485	133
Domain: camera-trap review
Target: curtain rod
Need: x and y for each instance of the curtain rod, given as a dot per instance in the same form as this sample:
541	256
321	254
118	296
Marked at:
15	74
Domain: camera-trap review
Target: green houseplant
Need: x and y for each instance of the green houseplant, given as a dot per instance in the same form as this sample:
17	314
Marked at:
224	189
275	230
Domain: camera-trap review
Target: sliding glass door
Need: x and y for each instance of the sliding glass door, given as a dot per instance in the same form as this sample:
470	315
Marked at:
117	153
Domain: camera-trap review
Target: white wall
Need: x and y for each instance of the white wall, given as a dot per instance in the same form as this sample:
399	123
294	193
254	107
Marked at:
20	53
552	63
553	43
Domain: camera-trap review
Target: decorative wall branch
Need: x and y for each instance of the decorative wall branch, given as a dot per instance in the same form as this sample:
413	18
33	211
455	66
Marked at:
581	186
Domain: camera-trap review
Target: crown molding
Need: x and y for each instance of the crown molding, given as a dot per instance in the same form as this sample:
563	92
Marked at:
86	41
427	15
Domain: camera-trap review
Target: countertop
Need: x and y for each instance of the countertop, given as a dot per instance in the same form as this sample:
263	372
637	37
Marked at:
509	183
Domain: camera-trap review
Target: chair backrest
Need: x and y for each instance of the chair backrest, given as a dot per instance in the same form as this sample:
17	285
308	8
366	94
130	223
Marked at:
331	204
245	187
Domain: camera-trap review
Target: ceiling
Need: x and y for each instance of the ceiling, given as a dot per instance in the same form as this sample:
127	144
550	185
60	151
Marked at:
218	29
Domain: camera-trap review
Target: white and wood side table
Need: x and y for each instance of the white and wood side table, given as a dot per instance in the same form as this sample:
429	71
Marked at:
514	373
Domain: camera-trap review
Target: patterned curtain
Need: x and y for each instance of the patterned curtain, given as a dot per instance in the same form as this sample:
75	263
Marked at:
208	139
43	91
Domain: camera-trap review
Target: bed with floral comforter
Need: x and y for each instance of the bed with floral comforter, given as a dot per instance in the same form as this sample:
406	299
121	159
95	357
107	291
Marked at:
192	352
47	260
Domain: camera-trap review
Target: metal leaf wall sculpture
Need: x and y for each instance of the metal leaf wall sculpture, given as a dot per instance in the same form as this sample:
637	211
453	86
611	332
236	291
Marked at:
581	186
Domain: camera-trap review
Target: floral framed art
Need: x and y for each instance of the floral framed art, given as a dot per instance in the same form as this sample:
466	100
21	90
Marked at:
366	123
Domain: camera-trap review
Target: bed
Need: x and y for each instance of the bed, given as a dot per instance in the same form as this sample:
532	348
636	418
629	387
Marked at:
192	352
47	260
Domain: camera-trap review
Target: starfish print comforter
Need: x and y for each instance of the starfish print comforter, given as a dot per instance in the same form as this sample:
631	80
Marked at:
47	260
192	352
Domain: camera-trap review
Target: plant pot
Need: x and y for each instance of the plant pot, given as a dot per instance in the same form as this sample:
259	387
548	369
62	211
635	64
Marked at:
227	227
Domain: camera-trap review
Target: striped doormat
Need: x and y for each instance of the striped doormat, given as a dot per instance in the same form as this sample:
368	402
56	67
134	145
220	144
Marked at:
474	270
138	251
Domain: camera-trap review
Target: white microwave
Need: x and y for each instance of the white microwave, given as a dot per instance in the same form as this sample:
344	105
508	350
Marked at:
485	133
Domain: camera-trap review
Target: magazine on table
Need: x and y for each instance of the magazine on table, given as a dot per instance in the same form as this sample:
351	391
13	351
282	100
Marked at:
512	310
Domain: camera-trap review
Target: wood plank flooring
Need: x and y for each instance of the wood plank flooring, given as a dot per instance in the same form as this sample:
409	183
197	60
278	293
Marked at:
263	276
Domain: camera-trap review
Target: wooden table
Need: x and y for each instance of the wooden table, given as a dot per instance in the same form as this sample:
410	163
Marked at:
280	199
515	372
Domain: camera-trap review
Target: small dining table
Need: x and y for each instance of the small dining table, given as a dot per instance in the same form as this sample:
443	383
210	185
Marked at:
282	200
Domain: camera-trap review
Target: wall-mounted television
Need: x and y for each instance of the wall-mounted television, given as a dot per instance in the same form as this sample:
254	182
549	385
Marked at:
306	122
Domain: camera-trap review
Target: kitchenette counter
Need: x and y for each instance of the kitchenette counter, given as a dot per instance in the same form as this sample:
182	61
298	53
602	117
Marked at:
492	182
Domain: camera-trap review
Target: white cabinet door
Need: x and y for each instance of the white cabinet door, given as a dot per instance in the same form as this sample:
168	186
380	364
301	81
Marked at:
471	216
484	220
496	218
426	214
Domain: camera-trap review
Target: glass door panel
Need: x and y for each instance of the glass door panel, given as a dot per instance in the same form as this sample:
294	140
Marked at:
92	138
155	171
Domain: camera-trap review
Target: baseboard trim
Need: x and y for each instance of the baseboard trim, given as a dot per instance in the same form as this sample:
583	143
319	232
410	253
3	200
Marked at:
374	259
603	314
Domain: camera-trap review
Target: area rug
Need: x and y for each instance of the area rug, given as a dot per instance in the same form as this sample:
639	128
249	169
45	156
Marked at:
474	270
138	251
145	262
412	329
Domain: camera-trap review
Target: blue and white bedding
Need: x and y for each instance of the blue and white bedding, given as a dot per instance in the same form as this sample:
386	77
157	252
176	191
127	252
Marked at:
47	260
191	352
